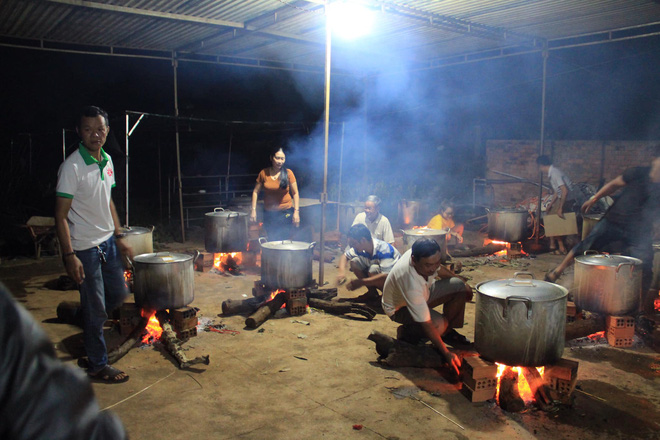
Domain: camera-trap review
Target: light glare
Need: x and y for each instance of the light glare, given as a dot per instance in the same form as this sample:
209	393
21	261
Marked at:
349	20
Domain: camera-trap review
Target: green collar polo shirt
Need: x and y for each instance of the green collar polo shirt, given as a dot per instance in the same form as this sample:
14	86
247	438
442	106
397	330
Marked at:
89	183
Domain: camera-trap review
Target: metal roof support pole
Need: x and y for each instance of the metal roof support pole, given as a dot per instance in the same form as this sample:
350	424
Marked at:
175	65
63	144
341	165
324	194
126	165
537	224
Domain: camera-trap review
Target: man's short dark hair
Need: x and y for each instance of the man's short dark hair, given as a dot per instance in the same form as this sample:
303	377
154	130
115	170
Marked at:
92	111
358	232
424	248
544	160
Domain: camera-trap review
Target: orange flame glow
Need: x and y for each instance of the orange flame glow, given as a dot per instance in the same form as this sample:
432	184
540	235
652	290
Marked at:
524	389
154	330
227	262
128	277
656	304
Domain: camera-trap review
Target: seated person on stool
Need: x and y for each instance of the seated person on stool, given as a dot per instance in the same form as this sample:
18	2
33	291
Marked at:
445	220
370	260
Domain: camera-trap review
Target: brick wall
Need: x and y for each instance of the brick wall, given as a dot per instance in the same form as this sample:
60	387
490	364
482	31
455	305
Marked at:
594	162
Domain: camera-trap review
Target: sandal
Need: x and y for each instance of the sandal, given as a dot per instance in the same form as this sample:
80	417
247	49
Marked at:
108	374
455	339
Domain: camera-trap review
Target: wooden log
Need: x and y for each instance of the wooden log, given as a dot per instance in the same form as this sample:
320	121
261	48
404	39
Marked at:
585	327
265	311
398	354
173	344
131	340
538	387
242	307
69	312
509	397
337	308
489	249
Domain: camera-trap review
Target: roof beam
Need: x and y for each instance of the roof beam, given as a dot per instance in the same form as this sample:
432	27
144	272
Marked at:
183	18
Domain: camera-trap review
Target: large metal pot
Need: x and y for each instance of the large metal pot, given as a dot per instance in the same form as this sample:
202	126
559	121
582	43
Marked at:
139	239
588	223
408	212
286	264
163	280
225	231
520	321
507	224
609	284
439	235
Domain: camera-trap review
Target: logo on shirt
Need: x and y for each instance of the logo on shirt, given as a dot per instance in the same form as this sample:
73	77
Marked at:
109	173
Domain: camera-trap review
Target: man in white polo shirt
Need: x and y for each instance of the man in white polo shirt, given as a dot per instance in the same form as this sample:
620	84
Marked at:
370	260
89	231
378	224
412	290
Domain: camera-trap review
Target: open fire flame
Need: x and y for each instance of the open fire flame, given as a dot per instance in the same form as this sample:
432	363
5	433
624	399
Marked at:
153	329
227	262
128	277
525	391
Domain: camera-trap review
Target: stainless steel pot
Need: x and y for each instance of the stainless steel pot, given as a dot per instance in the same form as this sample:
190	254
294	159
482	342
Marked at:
507	224
163	280
225	231
439	235
286	264
408	212
139	239
609	284
520	321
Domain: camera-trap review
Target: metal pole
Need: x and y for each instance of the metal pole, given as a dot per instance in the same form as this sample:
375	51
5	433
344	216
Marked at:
160	184
175	64
63	144
127	135
30	154
324	194
537	224
231	139
341	162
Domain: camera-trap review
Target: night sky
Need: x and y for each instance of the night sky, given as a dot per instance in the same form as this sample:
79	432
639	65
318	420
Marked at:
425	120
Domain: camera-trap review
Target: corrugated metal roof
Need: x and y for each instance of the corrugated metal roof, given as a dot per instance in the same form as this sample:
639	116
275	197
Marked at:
411	33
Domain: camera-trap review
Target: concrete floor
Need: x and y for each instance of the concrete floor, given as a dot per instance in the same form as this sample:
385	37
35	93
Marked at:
320	380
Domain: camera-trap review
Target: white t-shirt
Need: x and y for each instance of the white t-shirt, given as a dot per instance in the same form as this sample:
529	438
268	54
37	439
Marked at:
89	183
558	178
379	228
404	287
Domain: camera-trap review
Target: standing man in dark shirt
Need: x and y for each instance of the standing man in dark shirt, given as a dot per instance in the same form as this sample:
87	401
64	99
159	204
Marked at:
629	220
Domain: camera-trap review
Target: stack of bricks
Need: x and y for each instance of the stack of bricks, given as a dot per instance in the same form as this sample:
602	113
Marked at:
184	321
296	301
129	318
479	379
571	311
620	331
204	261
561	379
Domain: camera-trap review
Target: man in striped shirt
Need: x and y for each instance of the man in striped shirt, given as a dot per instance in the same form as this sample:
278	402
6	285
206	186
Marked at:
370	260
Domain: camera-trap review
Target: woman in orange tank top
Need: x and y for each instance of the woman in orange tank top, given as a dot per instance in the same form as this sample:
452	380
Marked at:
281	200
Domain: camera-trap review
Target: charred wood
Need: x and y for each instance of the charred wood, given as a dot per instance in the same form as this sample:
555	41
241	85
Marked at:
538	387
337	308
489	249
585	327
265	311
242	307
173	344
131	340
398	354
509	397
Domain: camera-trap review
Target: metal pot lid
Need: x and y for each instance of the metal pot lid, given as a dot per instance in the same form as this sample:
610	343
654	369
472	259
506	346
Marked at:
162	258
607	260
509	210
535	290
225	213
426	231
135	230
287	245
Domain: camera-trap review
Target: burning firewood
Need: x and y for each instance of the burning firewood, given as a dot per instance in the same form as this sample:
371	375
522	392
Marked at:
132	339
538	386
489	249
509	397
585	327
265	311
173	344
240	307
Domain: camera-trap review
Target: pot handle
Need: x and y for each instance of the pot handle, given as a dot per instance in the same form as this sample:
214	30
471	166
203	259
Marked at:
262	240
515	275
593	252
152	228
197	254
527	300
218	209
311	245
616	272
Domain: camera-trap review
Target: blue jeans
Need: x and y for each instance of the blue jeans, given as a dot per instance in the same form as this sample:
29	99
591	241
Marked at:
102	291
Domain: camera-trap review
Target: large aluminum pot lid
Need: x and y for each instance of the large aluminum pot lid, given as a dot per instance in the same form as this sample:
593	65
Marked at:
509	210
135	230
162	258
607	260
535	290
287	245
222	213
426	231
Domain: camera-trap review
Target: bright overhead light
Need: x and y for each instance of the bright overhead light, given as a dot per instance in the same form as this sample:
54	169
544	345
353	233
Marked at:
349	20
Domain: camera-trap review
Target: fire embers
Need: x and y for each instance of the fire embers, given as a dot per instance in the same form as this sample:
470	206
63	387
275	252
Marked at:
228	263
510	251
515	388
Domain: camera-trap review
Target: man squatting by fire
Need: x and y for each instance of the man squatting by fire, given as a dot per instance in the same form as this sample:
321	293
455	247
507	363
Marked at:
370	260
417	284
90	235
629	221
